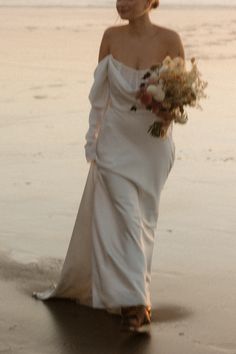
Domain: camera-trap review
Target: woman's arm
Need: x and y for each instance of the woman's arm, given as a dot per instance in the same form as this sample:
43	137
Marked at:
104	49
179	47
98	96
175	45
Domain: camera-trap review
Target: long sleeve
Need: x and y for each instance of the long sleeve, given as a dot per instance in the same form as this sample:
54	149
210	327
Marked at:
99	98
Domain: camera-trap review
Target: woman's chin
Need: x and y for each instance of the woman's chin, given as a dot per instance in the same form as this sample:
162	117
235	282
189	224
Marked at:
124	16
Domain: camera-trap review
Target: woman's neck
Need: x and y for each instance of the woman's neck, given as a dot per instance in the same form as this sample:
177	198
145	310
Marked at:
140	26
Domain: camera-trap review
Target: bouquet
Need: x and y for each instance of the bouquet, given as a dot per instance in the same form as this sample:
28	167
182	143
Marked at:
169	87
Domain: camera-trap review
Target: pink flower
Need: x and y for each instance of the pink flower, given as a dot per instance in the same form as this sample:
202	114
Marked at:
146	98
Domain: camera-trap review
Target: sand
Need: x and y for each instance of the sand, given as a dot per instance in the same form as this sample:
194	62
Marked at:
47	61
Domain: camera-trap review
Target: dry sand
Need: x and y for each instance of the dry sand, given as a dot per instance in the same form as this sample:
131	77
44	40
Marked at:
47	60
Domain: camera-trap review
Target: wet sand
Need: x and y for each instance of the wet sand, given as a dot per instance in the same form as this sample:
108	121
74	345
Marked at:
191	314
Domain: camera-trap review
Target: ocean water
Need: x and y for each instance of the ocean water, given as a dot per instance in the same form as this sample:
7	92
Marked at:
103	3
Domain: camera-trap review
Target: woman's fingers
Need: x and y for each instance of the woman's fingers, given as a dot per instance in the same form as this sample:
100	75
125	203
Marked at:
166	120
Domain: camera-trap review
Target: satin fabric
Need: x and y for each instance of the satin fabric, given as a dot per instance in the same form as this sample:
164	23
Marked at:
109	258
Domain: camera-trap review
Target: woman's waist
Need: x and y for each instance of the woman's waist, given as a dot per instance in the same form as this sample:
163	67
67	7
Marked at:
127	122
127	110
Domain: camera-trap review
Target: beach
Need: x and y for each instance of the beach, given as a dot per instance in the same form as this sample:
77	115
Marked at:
48	57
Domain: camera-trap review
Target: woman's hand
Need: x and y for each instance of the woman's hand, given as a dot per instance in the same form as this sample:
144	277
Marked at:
166	118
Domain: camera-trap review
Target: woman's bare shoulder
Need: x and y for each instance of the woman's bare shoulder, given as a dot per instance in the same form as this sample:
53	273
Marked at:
107	38
114	30
167	33
172	40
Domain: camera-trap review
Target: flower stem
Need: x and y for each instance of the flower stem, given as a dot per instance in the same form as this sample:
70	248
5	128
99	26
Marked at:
156	129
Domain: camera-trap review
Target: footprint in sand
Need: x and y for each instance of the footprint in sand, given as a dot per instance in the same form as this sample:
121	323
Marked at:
55	85
50	85
40	97
228	159
37	154
31	28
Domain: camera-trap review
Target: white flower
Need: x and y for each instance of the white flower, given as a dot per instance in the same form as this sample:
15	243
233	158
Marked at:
167	61
152	89
178	61
160	94
157	92
178	70
163	69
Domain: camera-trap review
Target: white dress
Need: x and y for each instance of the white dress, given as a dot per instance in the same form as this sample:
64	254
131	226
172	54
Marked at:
108	262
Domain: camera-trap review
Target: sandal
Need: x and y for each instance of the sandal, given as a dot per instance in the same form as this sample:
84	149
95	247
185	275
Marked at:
149	310
136	318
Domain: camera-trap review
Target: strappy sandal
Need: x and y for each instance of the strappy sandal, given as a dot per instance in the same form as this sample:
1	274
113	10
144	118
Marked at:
136	318
149	310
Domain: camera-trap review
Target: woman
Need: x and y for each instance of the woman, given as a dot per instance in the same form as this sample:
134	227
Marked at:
108	262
